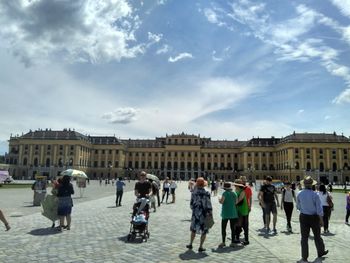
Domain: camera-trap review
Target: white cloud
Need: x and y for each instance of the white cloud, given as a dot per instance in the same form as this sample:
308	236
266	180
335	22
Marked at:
301	111
180	57
343	6
94	31
343	97
211	16
121	115
163	50
327	117
154	37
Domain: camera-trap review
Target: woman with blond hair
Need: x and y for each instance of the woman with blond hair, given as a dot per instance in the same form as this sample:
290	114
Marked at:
201	208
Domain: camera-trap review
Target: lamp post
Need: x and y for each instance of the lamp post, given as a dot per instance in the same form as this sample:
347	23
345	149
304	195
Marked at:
290	166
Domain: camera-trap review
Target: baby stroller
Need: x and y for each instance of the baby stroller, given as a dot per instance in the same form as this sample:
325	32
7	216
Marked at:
139	220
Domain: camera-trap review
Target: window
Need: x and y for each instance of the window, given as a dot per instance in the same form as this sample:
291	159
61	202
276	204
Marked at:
236	155
248	154
110	151
320	151
116	151
189	141
116	164
61	147
256	154
169	154
103	164
208	155
25	161
36	147
156	154
96	151
72	147
308	151
189	154
103	151
175	141
263	154
149	154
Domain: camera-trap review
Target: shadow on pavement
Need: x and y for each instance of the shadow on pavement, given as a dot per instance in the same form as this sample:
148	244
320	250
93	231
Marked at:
190	254
137	240
112	206
44	231
227	249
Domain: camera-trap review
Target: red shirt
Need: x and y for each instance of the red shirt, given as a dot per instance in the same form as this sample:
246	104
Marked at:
248	194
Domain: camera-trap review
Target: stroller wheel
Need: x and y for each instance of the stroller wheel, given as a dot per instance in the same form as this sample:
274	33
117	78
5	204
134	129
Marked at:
129	237
133	236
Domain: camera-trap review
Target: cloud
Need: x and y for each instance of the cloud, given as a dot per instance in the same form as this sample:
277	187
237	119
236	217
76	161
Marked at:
121	115
211	16
77	31
327	117
301	111
180	57
154	37
343	6
343	97
164	49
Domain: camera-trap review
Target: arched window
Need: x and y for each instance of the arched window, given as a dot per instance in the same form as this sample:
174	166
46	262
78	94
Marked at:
346	166
334	167
47	164
297	166
308	166
321	167
36	162
60	162
25	161
71	162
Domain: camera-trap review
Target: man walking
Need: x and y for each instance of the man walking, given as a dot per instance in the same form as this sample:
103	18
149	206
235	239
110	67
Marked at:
311	213
267	197
120	188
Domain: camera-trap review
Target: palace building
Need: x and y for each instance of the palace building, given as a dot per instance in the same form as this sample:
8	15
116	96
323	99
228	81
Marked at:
48	152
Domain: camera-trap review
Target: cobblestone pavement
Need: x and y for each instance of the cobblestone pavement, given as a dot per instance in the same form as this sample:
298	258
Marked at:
99	231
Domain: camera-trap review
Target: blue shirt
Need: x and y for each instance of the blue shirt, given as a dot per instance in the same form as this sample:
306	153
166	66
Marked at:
309	203
119	185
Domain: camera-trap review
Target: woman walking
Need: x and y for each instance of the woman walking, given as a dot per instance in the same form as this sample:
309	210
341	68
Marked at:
201	208
65	202
166	187
288	195
228	213
325	196
173	186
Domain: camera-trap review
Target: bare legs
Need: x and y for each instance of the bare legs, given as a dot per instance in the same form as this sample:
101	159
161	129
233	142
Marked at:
193	235
3	219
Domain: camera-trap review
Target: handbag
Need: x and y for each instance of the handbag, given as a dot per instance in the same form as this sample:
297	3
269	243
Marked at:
209	221
330	202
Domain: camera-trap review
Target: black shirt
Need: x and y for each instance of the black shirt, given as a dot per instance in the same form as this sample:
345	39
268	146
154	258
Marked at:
143	188
269	191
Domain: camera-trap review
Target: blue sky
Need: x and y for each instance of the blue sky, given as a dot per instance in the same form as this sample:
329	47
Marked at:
141	69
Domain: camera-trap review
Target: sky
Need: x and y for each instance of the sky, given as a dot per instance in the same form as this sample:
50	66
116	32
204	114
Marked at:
232	69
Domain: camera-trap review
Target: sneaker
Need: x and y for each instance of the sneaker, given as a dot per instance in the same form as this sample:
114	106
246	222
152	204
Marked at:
323	253
245	243
222	245
236	241
189	246
274	231
267	231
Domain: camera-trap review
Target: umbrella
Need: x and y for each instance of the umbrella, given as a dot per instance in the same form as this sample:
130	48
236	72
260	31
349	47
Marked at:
74	173
49	207
153	177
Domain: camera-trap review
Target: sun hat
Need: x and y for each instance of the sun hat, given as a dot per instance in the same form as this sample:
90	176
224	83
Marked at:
308	181
227	186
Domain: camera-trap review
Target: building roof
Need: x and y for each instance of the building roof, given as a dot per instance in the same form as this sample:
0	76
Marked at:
49	134
223	144
262	142
143	143
314	137
104	140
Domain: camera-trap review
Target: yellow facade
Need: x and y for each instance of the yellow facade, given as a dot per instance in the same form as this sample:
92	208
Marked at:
324	156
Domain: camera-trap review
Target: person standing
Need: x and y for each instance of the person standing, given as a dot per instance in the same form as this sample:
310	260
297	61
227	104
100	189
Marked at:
347	208
262	208
288	195
166	188
119	185
155	189
243	212
201	208
213	187
173	187
267	196
3	219
65	202
228	213
324	196
311	217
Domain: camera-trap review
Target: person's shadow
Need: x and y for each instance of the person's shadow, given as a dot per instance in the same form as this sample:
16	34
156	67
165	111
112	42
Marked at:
190	255
44	231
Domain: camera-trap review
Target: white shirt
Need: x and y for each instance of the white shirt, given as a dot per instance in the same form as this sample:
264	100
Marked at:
173	185
323	198
288	196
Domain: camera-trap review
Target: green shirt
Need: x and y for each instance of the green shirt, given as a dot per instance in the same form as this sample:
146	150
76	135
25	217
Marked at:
242	209
229	210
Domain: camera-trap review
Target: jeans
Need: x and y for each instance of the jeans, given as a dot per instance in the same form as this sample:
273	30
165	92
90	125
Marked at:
288	209
118	200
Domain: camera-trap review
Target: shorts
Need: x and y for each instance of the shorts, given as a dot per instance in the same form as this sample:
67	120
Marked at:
172	191
270	208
